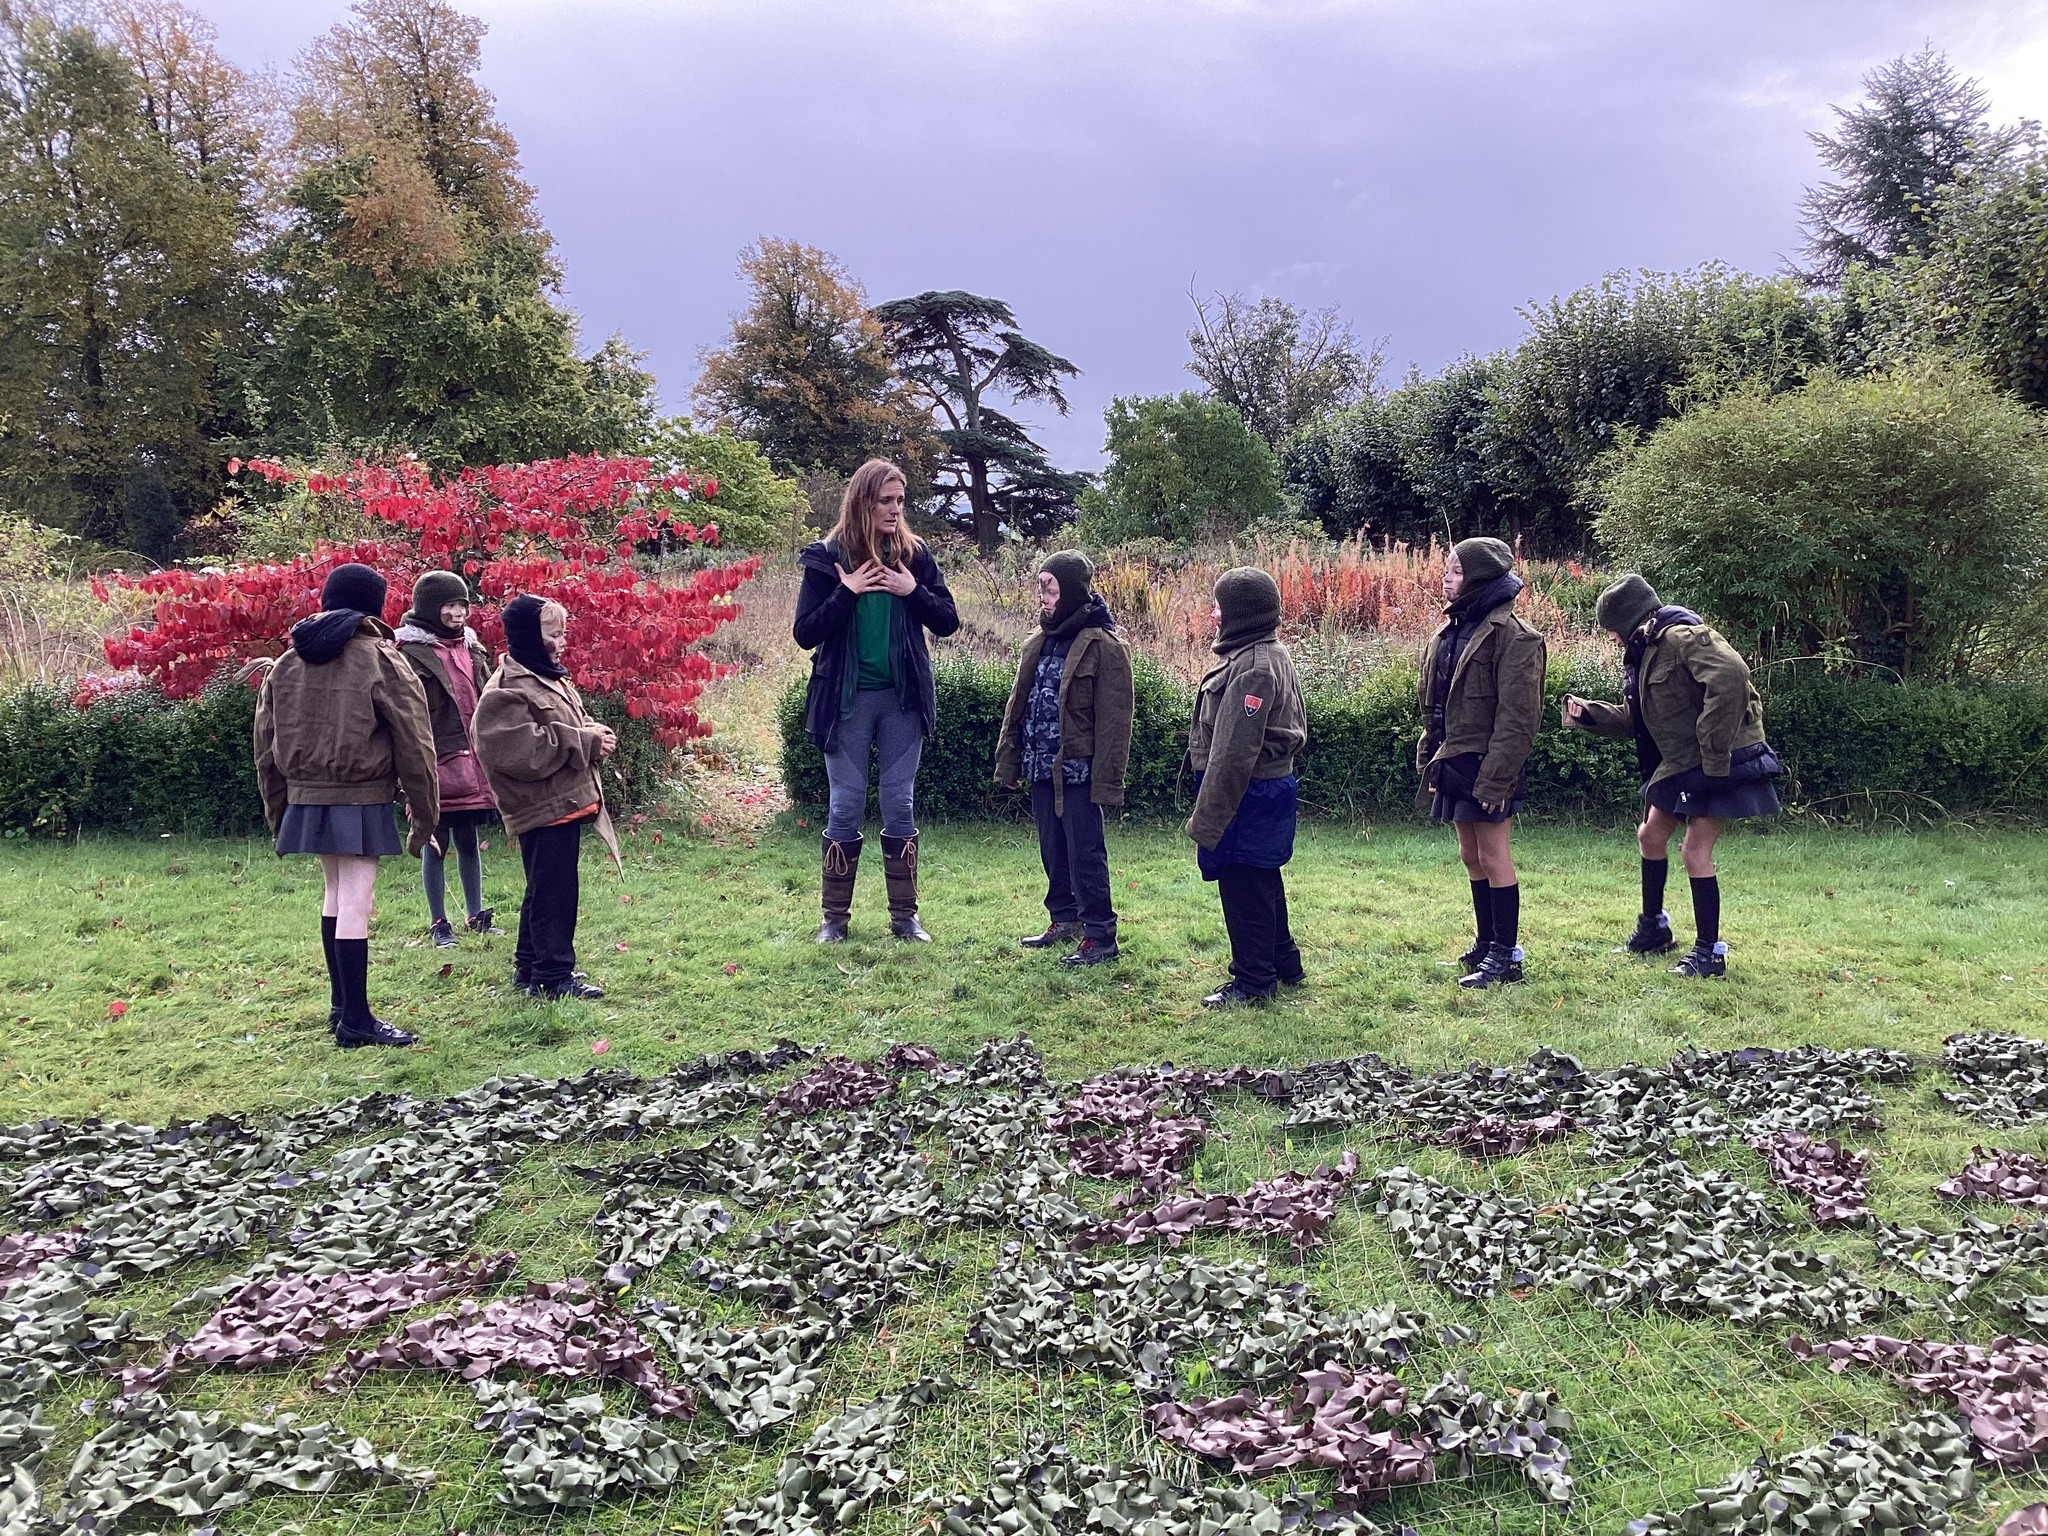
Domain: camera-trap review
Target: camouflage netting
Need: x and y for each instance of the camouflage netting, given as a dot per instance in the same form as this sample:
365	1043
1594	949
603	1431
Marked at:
1903	1481
747	1233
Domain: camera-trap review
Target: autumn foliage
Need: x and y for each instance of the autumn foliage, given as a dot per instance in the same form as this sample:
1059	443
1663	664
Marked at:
565	529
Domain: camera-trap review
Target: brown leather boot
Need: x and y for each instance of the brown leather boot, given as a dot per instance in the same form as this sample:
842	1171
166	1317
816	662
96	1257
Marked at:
841	865
899	871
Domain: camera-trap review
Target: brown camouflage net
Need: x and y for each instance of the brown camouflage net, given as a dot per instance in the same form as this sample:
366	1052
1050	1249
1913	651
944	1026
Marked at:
2015	1178
2002	1390
23	1253
558	1328
281	1320
839	1082
1834	1184
1151	1153
1344	1420
1296	1206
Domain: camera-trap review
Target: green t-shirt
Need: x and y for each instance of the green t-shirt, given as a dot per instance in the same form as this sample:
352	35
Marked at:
874	616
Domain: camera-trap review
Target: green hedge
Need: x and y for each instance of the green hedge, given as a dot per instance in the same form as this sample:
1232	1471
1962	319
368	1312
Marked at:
135	763
1847	743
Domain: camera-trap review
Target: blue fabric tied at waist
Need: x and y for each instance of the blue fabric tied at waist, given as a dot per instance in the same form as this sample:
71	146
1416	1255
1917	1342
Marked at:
1260	835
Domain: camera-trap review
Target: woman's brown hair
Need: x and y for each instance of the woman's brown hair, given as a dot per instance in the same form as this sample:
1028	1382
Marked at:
854	534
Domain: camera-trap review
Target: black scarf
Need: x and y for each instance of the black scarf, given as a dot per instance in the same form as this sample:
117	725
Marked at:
1093	614
1465	611
1648	634
522	637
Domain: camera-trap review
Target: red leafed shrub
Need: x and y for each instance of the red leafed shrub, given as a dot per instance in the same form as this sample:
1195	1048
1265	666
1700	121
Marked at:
564	529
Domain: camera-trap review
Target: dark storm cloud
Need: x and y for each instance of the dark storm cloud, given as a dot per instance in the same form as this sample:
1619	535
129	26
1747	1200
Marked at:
1428	167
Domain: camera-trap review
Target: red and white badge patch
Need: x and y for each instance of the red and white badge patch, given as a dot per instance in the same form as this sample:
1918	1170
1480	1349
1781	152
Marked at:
1251	704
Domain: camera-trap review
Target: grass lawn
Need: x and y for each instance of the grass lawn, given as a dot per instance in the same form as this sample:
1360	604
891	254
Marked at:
1837	938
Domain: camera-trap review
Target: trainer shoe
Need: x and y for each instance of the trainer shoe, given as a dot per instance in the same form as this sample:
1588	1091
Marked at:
1501	967
444	934
485	923
1703	960
1652	935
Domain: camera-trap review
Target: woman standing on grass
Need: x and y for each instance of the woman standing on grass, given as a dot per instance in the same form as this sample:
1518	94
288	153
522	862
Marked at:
1481	695
341	729
1249	724
1699	732
1067	733
870	591
540	751
453	667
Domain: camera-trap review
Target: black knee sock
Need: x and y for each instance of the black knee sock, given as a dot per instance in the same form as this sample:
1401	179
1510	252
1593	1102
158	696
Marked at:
1507	914
352	963
1482	912
327	942
1654	871
1706	908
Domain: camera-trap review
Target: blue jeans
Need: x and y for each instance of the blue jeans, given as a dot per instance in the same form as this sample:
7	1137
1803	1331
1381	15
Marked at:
877	725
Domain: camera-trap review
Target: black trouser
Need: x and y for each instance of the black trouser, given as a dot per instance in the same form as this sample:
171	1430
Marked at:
1262	949
546	952
1076	861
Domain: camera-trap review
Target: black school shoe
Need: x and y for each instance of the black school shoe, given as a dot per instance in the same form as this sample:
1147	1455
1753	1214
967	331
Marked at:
1652	935
1703	960
1055	935
573	990
1234	993
1502	967
377	1032
1092	952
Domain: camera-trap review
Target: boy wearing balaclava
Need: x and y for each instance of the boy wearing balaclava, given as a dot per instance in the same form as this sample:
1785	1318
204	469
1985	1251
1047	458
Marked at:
540	751
1067	733
1249	726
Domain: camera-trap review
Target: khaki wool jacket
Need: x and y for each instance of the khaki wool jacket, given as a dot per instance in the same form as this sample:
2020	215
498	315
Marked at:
539	749
1698	702
1097	702
351	731
1249	724
1495	706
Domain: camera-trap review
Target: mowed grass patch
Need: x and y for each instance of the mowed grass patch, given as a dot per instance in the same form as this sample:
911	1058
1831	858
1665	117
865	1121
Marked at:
1838	938
159	978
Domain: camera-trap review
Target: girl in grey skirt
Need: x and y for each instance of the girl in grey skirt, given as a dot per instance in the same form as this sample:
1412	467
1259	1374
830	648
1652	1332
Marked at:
341	729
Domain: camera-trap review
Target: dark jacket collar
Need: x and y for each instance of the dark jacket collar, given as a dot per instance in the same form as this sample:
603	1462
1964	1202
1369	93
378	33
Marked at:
321	638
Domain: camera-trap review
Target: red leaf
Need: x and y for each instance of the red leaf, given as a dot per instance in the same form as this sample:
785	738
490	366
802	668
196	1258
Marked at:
116	1008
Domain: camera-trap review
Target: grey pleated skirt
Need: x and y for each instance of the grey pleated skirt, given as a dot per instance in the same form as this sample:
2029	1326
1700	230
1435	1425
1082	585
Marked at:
363	831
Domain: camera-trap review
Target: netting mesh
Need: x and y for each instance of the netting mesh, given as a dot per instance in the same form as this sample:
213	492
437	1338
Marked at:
1662	1403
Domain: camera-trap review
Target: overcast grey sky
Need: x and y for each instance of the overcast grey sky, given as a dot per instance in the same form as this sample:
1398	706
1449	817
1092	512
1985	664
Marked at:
1427	165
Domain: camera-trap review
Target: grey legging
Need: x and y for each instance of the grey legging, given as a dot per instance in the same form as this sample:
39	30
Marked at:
468	862
894	734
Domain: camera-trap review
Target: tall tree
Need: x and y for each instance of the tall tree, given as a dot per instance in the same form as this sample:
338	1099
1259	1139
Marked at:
1278	366
806	370
417	293
1921	127
123	263
956	350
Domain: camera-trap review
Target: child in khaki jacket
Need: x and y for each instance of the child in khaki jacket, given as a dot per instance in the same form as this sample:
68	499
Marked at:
1249	724
540	751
